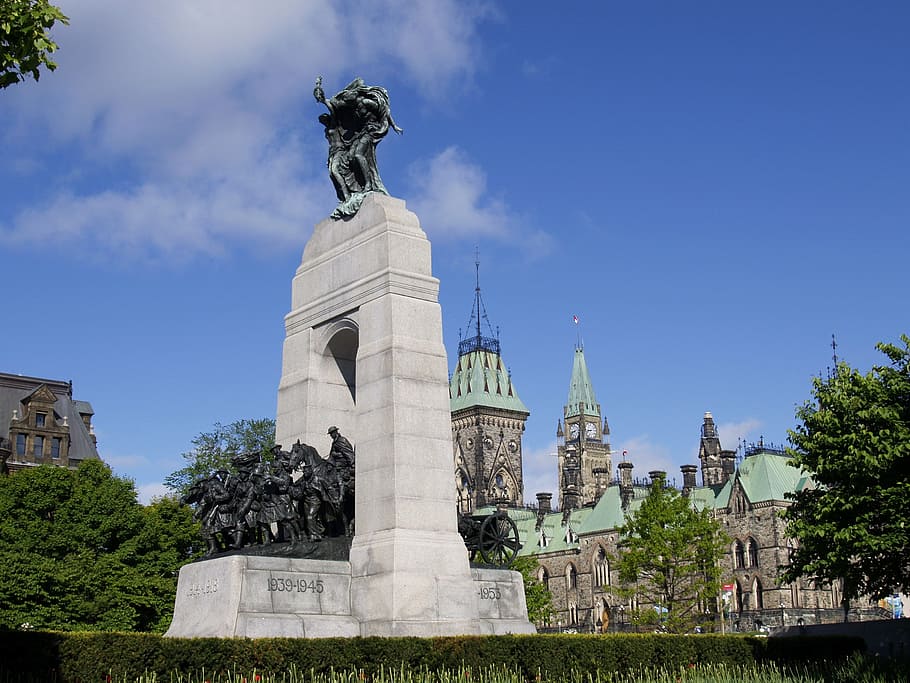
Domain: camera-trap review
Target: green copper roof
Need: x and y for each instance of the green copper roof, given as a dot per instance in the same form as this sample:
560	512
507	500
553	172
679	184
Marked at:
481	379
768	476
707	497
580	388
764	477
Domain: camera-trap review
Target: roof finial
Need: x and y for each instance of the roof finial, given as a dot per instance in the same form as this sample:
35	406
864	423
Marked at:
477	301
478	342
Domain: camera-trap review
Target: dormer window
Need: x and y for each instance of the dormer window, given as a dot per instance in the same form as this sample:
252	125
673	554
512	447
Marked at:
543	541
40	419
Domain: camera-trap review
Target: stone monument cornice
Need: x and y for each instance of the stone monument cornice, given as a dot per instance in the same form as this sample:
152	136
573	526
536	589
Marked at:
353	296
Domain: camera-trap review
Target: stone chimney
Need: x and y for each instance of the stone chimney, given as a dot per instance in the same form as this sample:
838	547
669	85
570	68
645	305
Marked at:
654	475
688	476
544	502
727	464
625	483
601	481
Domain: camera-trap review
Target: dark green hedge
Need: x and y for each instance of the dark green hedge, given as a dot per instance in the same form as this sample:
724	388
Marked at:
90	657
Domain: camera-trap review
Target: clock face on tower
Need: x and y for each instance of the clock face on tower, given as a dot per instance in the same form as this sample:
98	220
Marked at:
573	431
591	430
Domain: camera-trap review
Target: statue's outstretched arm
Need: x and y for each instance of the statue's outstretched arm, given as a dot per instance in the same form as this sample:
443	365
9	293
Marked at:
319	93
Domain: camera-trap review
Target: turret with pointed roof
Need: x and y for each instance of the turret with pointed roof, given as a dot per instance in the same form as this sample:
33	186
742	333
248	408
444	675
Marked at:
488	418
585	440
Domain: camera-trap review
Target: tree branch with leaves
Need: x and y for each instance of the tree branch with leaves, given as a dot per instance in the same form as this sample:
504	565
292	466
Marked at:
25	41
212	451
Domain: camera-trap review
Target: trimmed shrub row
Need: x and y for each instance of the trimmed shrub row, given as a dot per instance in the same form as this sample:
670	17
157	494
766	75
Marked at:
92	657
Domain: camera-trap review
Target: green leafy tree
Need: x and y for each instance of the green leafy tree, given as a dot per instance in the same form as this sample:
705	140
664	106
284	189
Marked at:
25	42
78	552
853	436
213	450
669	556
537	596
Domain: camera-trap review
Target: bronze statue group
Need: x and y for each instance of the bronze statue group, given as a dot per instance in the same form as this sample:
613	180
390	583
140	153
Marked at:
358	118
277	496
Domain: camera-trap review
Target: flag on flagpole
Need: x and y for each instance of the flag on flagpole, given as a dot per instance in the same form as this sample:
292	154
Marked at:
575	319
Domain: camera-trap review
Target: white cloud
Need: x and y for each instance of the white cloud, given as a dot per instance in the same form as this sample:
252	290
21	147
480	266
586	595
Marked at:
731	433
539	471
173	126
451	198
149	492
646	456
122	462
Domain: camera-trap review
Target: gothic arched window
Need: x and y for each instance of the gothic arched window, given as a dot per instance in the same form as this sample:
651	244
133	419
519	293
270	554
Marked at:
543	575
757	601
795	594
571	576
753	552
601	568
739	555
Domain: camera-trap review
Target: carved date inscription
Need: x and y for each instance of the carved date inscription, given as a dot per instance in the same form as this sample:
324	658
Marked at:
295	585
198	590
490	593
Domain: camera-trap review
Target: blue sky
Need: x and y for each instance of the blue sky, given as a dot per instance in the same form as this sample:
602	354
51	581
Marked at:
713	188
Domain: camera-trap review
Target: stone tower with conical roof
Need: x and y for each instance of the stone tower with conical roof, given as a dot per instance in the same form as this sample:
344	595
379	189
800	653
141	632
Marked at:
488	419
583	441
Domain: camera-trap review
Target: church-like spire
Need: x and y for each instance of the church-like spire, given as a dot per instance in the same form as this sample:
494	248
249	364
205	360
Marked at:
480	377
581	391
474	339
488	417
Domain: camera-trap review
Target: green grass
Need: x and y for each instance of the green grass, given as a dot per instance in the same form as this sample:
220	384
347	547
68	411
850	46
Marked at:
856	670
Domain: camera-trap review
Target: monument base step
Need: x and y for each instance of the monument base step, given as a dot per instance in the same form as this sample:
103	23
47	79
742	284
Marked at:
248	596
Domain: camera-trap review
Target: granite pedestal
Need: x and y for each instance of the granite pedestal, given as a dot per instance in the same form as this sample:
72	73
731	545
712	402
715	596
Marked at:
364	351
257	597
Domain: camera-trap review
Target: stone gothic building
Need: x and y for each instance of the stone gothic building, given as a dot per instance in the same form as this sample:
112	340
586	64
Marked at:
574	545
41	423
488	420
583	450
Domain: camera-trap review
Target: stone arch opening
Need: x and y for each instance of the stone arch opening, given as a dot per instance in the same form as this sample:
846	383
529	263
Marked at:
342	350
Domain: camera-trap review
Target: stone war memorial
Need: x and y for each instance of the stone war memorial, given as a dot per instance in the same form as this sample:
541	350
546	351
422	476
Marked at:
374	548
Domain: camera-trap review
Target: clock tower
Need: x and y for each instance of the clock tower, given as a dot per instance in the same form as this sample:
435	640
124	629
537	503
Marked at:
488	419
583	448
